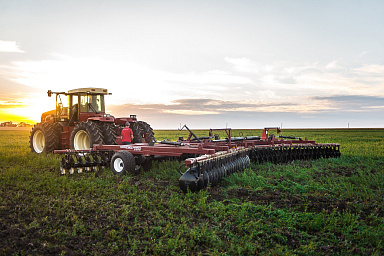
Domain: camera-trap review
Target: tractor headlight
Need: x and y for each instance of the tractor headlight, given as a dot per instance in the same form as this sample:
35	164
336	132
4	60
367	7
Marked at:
107	115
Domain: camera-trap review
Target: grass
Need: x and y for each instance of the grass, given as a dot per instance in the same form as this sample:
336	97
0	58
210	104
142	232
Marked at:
323	207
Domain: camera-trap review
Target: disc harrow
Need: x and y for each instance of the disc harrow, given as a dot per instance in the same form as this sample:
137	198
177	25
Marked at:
212	169
84	161
287	154
207	159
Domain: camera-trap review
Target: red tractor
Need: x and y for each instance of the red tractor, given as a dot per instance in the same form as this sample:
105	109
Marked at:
83	123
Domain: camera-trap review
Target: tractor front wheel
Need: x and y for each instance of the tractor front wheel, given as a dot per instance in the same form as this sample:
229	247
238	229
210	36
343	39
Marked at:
37	139
85	135
44	138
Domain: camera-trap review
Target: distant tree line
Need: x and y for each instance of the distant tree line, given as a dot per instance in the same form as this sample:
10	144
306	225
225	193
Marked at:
11	124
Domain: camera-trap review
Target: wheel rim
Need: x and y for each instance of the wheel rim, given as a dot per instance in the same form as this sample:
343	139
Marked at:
81	140
38	141
118	165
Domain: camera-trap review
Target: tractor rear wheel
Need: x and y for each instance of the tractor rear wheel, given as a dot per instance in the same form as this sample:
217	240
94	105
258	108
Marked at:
109	133
123	162
44	138
137	132
140	128
85	135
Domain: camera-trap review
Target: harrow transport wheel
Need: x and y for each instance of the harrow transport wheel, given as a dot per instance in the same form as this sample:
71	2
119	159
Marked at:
44	138
109	133
123	162
85	134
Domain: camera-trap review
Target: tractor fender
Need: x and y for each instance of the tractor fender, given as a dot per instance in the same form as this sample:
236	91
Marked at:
107	119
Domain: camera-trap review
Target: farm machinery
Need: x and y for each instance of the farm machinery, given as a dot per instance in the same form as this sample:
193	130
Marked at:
82	123
207	159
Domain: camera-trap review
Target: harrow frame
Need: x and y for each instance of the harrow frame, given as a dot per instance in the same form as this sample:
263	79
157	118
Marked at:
208	159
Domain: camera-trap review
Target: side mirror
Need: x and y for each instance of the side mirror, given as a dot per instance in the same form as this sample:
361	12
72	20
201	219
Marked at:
49	93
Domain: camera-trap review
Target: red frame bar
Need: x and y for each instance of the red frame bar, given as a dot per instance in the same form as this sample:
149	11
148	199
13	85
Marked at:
145	150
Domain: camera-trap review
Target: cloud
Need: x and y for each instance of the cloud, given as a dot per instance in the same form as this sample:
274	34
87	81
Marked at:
10	46
354	102
191	112
10	90
334	66
312	79
11	104
244	65
126	80
244	87
363	53
244	80
317	111
372	69
218	107
210	113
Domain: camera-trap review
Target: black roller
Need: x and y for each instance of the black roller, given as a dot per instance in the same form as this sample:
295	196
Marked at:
205	175
221	171
200	182
171	143
243	163
248	161
190	180
233	165
225	170
229	166
238	164
211	173
253	138
215	176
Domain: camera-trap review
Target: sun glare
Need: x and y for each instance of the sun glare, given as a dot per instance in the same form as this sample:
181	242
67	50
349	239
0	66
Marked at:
30	111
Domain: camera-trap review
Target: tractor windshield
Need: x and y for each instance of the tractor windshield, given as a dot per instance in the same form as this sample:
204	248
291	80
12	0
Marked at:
92	103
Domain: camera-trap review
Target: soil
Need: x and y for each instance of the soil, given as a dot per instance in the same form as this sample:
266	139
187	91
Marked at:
301	203
17	235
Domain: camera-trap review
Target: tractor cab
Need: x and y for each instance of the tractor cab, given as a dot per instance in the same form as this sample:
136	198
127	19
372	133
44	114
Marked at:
86	103
82	104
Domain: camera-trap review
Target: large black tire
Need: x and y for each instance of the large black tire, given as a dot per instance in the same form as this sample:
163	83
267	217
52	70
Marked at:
44	138
52	136
85	135
109	133
137	132
139	129
37	139
58	129
123	162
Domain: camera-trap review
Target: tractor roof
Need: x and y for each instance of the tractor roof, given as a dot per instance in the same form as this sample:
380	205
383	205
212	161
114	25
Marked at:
89	90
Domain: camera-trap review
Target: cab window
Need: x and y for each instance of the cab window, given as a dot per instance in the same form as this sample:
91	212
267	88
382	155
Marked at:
92	103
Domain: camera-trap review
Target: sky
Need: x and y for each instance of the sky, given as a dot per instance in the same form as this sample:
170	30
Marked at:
204	63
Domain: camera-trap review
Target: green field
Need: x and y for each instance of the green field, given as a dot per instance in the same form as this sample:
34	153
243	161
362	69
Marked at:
323	207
